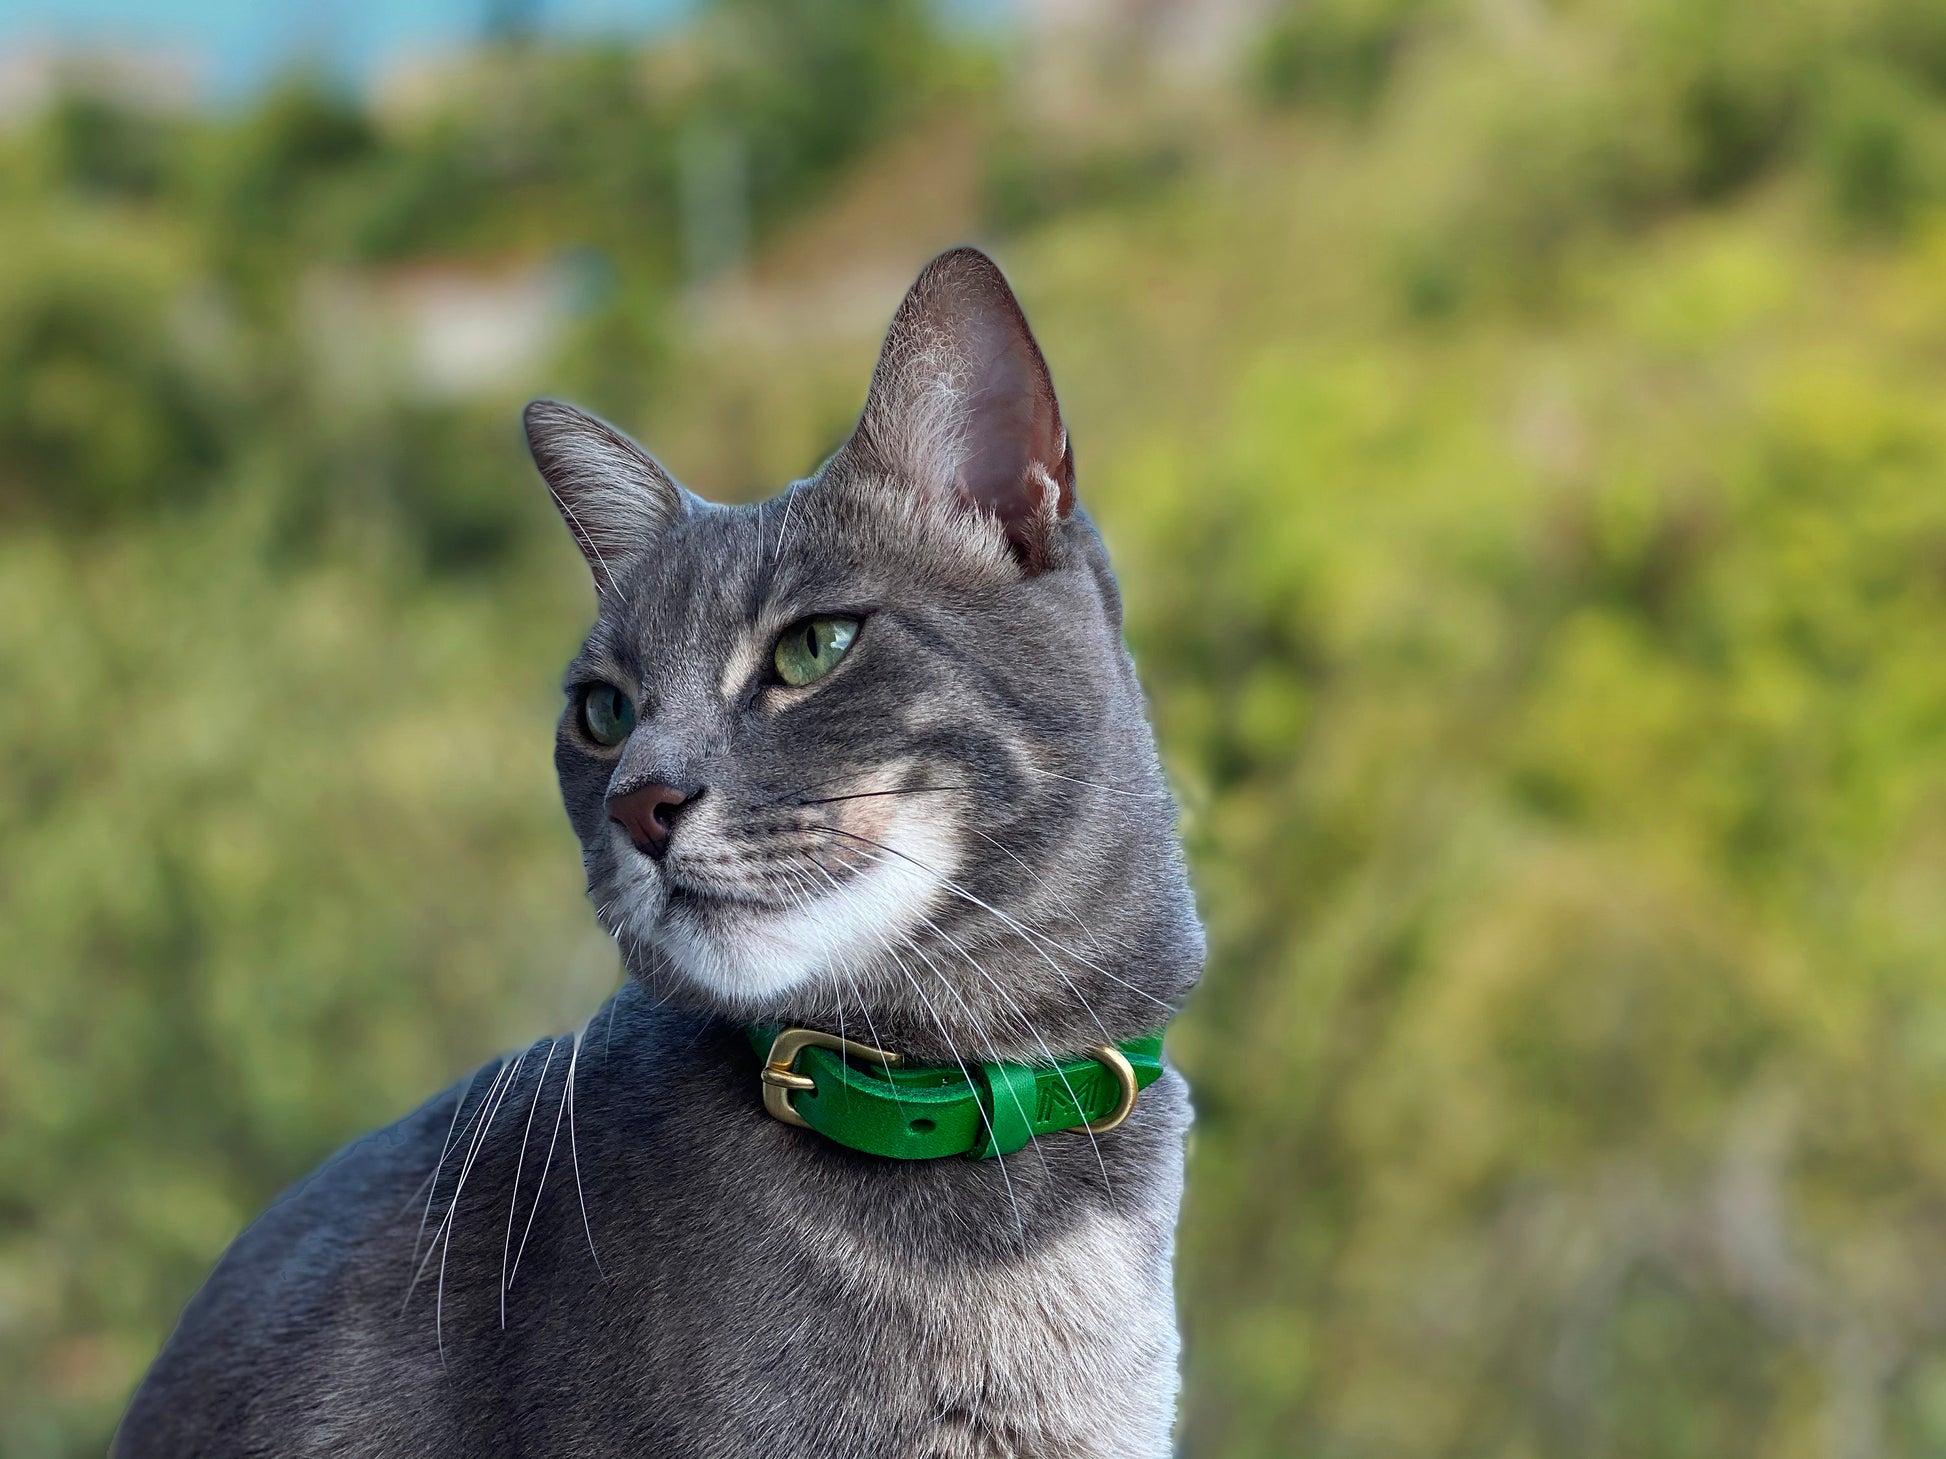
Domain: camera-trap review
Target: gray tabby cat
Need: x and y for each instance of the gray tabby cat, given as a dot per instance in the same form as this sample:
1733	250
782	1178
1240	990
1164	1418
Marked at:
869	758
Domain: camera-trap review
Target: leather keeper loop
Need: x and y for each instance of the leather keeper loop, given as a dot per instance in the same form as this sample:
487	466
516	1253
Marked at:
1011	1091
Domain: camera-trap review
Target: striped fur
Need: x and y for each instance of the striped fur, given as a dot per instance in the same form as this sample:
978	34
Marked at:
958	843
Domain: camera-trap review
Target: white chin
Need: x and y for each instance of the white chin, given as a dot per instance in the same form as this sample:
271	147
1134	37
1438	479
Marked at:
749	955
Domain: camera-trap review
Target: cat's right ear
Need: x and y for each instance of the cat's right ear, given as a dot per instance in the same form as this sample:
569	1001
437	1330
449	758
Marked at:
614	496
961	411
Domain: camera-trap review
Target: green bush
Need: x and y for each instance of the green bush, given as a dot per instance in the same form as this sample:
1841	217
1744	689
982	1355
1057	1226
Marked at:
103	411
1882	148
1335	53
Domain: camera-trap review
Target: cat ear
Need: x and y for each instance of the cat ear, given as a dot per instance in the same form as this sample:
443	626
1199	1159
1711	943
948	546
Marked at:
961	405
614	496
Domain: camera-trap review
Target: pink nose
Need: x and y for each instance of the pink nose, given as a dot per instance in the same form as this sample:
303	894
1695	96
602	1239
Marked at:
648	814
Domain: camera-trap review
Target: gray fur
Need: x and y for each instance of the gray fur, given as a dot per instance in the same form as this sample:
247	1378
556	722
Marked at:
602	1245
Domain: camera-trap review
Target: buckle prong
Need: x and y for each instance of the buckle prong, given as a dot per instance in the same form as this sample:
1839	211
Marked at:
780	1077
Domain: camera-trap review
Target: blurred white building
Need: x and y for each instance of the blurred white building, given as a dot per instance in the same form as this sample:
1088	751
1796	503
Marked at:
443	329
1076	53
159	80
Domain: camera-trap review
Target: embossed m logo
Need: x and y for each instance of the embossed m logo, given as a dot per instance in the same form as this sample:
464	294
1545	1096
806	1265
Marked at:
1080	1094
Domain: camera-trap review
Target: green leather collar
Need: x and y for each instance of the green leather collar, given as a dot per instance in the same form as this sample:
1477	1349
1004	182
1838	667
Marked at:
871	1100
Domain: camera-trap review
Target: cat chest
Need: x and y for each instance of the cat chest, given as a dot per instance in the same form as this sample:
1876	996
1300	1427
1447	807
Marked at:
1071	1350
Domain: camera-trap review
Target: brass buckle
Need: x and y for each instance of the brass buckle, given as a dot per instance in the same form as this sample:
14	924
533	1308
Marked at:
1116	1063
780	1074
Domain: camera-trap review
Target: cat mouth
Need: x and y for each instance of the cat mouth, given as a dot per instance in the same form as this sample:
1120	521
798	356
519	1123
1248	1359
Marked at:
687	895
686	892
682	896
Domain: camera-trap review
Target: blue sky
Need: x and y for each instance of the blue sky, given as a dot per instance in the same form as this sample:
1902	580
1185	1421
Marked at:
237	43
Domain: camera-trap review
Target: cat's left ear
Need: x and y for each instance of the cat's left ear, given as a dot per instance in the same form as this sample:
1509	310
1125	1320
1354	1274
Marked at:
614	496
962	408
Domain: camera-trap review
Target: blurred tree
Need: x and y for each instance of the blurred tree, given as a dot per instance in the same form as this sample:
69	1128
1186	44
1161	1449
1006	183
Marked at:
101	411
1337	53
1517	426
808	82
99	145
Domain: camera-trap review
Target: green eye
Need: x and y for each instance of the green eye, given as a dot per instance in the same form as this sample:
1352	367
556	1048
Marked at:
606	714
811	649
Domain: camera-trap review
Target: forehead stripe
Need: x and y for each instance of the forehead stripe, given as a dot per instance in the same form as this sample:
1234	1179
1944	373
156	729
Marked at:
742	661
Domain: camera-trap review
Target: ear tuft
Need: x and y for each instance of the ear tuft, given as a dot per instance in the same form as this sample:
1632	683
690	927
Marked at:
615	498
962	407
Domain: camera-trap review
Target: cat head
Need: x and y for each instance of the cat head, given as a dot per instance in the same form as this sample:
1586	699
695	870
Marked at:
872	754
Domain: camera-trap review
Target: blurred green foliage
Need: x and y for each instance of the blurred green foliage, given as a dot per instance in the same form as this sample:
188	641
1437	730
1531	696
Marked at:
1519	430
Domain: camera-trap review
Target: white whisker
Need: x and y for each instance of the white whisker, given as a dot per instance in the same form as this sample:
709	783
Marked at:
1066	905
799	890
575	1153
444	1149
452	1209
1029	1025
1150	795
540	1189
985	1035
608	1037
790	500
1026	1022
514	1200
1033	938
1020	1225
419	1266
587	537
864	1005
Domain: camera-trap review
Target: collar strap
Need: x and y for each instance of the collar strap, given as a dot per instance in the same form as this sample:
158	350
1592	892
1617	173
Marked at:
872	1100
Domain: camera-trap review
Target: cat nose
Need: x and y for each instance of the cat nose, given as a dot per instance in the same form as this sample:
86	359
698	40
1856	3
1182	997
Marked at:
648	813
